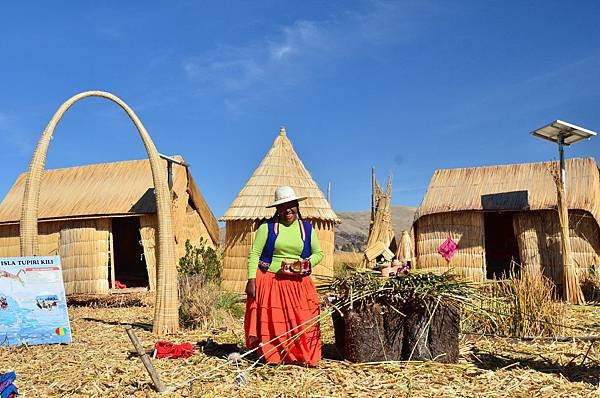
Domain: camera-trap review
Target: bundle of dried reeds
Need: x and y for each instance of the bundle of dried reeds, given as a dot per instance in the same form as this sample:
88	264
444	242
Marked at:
417	289
381	231
571	288
521	305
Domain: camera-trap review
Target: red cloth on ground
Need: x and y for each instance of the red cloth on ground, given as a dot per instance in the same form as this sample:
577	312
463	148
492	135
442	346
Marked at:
164	349
281	304
119	285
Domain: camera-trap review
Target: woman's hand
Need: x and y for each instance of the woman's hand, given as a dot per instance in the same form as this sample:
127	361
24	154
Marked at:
251	288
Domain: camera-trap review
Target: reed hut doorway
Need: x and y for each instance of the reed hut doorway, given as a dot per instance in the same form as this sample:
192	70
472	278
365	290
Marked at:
501	246
129	262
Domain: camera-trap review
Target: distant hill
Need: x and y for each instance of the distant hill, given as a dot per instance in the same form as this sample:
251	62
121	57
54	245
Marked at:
354	228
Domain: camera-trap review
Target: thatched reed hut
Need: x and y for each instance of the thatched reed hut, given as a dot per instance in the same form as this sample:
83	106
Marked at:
280	166
501	213
101	220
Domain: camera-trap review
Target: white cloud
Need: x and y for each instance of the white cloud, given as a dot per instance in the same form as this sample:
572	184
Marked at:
301	51
281	51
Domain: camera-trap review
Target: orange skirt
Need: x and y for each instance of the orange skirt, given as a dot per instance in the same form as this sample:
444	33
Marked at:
282	304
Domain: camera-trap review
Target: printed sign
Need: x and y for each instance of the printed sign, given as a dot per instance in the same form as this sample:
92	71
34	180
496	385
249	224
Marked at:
33	306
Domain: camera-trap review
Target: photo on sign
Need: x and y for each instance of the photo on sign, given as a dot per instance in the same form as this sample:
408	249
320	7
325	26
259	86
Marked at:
33	307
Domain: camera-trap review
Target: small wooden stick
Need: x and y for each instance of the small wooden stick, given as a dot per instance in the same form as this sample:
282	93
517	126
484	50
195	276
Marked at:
587	352
160	387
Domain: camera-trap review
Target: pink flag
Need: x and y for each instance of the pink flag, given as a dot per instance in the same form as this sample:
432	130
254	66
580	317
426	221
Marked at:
448	249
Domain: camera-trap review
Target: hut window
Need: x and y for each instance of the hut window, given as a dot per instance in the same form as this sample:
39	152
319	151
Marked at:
190	208
129	261
501	247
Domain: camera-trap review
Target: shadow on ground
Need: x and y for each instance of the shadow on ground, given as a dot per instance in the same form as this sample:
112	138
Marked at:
220	350
135	325
330	351
576	370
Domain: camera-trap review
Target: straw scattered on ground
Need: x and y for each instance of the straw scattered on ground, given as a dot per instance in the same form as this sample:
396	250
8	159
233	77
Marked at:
100	362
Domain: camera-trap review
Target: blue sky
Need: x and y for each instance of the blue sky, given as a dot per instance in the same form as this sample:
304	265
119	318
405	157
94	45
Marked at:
405	86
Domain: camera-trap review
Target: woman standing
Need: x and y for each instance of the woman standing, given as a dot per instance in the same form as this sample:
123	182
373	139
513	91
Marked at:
282	303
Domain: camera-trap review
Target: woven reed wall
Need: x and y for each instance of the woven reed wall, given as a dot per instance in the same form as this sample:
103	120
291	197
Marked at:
585	241
84	254
239	236
466	229
194	229
47	239
538	235
188	225
9	241
187	222
326	234
84	249
51	235
148	228
209	222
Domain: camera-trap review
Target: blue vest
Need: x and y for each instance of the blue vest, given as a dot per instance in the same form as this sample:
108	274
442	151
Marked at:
266	256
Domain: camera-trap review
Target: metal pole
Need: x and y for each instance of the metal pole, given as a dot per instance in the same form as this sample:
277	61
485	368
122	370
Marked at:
561	154
373	204
170	174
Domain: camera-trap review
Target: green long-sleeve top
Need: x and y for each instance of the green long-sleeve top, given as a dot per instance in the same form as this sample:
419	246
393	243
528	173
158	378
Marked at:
288	246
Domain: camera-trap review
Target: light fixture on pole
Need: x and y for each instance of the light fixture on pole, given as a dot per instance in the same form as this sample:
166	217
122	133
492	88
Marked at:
565	134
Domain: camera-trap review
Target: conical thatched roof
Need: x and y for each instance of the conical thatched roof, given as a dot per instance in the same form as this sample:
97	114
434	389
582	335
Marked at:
280	166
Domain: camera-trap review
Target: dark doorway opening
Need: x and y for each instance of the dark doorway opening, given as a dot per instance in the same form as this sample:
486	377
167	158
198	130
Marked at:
129	261
501	246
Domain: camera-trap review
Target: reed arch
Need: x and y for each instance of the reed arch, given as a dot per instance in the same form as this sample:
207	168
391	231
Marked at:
166	318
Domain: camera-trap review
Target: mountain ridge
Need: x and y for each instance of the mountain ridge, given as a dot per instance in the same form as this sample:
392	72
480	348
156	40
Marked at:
353	231
354	228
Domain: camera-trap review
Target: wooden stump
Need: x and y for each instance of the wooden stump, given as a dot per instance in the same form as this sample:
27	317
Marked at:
375	332
359	334
431	336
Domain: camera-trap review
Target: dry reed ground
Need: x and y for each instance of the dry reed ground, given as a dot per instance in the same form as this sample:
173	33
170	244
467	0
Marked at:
100	363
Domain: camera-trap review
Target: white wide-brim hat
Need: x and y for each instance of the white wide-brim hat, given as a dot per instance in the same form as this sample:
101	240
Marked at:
285	194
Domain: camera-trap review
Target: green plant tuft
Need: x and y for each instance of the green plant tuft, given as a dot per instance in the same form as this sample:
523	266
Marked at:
201	260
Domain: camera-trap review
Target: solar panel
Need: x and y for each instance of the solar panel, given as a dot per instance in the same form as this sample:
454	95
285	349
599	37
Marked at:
570	132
